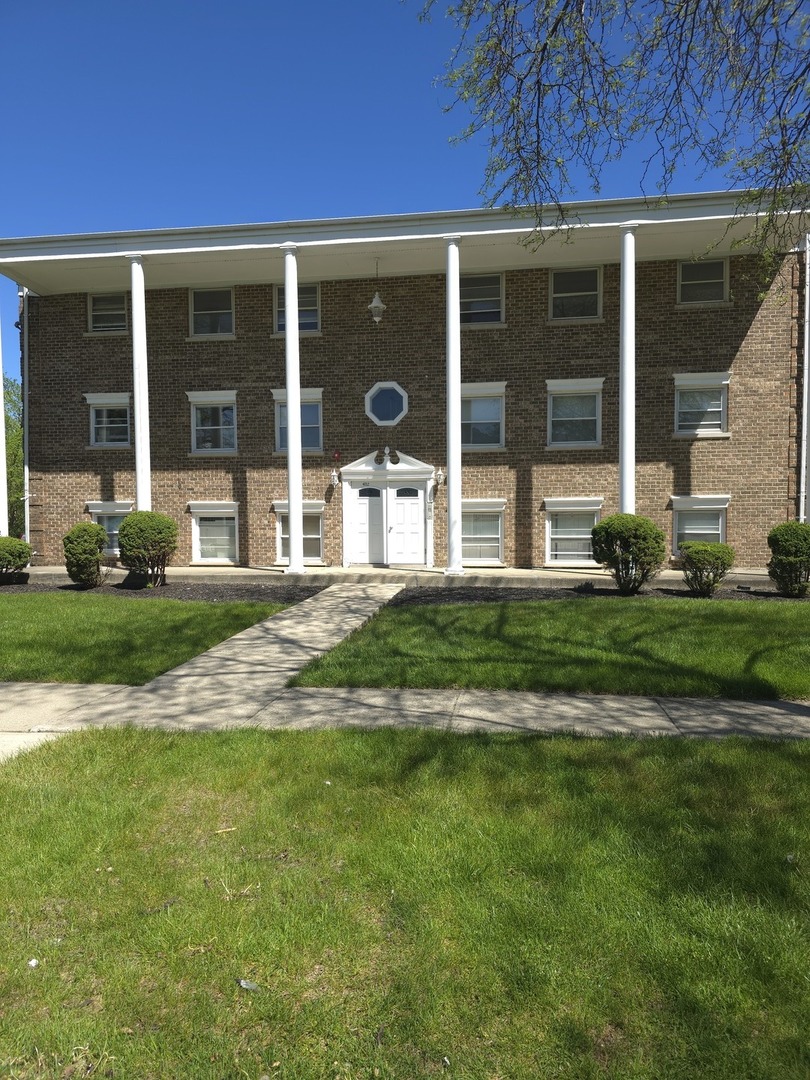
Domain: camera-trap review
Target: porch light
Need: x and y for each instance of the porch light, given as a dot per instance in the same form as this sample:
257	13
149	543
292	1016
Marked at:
439	477
334	478
376	307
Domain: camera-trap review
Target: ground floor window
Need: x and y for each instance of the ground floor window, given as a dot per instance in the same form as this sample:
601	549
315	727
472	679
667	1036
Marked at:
482	531
313	531
110	515
214	532
569	522
699	517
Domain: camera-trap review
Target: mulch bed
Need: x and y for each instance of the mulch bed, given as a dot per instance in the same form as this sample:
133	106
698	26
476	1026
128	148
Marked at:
284	592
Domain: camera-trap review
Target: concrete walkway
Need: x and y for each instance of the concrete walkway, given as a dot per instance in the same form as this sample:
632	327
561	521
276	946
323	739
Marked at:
241	683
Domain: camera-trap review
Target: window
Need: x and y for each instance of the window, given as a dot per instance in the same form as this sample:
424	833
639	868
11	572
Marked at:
574	412
214	532
482	530
107	314
109	419
699	517
576	294
482	415
213	421
313	531
211	312
309	317
109	515
311	428
481	298
701	404
704	282
569	522
386	403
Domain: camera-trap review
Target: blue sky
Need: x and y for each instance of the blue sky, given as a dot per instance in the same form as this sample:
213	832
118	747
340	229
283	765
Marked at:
147	114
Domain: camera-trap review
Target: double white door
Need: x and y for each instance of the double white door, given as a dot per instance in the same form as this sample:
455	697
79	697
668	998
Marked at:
388	523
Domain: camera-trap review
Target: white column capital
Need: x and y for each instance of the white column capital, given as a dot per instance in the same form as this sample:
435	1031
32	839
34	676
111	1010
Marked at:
455	239
630	226
289	248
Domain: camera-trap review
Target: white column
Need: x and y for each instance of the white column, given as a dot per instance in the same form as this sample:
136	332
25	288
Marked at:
453	409
140	386
3	465
295	476
627	374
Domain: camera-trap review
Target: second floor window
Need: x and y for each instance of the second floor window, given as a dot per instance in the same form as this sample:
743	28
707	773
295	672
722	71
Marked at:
309	317
211	312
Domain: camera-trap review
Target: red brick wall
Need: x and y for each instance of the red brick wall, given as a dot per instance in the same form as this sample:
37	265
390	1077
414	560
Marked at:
753	338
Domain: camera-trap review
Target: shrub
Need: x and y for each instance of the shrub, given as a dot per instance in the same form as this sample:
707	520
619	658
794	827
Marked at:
15	555
790	562
84	549
705	565
631	547
147	541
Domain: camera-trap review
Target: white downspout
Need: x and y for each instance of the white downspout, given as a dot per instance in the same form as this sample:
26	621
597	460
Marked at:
804	501
25	412
3	466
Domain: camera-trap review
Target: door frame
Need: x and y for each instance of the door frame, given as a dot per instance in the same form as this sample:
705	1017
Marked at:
387	475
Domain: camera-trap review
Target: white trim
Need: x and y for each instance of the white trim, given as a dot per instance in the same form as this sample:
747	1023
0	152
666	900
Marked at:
700	502
570	505
201	398
122	506
211	397
280	395
703	303
214	508
108	399
387	385
706	379
310	506
555	504
711	380
573	387
483	506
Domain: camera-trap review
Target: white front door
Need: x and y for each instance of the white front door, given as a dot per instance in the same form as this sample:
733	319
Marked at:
387	523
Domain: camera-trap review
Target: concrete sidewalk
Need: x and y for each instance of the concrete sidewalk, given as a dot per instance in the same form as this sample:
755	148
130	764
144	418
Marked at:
242	683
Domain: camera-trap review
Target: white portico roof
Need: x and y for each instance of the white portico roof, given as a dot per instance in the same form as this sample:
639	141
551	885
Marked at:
678	227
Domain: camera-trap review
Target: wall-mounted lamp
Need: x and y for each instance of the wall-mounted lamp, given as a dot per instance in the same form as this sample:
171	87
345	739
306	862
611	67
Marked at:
439	477
334	478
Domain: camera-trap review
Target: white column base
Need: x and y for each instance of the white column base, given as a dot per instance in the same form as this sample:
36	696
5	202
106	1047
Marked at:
452	572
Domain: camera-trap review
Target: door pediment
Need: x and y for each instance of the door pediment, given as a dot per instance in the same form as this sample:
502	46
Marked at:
404	468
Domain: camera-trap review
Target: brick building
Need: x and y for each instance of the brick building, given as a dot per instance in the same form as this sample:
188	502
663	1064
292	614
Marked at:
423	390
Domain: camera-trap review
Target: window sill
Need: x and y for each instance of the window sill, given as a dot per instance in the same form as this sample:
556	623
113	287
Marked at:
214	562
307	562
281	334
574	446
105	333
691	435
108	446
304	453
572	564
493	564
483	449
213	453
483	325
211	337
588	320
703	305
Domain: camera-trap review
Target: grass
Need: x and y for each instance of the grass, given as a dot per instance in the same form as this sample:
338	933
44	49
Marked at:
84	638
524	907
693	648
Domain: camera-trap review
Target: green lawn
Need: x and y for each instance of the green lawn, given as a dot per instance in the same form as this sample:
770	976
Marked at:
87	638
525	907
696	648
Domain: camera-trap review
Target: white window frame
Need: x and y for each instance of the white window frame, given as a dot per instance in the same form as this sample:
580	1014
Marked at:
495	390
572	505
103	330
703	303
309	396
278	291
217	508
208	398
109	401
314	507
387	386
574	318
484	506
684	504
468	316
577	388
225	335
105	509
710	380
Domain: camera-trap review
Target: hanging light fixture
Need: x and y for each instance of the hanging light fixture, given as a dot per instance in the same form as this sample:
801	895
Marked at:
377	307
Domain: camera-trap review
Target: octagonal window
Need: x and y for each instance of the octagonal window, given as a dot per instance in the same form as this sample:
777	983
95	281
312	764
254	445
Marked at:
386	403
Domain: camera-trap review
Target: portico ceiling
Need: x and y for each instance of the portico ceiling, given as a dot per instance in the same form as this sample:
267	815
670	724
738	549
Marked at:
680	227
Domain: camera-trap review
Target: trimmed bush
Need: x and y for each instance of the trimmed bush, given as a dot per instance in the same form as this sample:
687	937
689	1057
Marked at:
789	567
146	541
84	549
631	547
705	565
15	555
